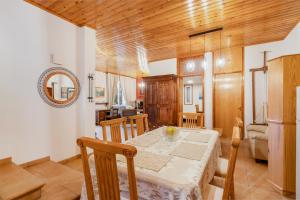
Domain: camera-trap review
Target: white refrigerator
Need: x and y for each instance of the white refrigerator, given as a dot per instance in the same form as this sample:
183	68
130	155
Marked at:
298	145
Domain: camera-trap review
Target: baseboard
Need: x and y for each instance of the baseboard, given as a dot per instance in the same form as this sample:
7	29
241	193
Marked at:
64	161
5	161
35	162
282	191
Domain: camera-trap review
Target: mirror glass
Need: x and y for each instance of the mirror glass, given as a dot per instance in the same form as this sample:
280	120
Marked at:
58	87
193	94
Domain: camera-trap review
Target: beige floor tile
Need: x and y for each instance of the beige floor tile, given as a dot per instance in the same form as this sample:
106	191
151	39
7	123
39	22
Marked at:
251	177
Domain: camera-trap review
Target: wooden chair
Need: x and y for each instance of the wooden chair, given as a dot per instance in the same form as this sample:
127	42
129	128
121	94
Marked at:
106	168
115	129
223	162
227	192
141	124
197	108
239	123
193	120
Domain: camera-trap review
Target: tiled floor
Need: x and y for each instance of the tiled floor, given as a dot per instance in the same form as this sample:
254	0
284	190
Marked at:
251	178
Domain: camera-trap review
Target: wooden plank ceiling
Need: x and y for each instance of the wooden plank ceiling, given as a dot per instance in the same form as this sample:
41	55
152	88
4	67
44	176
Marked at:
159	29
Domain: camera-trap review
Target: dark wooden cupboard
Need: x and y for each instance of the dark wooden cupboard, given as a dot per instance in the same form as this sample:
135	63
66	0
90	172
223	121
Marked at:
160	100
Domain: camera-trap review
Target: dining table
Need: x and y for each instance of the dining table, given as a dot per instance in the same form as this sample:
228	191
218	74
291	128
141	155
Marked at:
168	166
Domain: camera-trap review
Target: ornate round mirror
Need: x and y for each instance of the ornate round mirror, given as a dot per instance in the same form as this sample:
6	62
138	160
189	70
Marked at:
58	87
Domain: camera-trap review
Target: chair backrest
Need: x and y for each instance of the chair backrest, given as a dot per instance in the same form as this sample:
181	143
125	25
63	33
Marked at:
239	122
197	108
115	129
106	168
192	120
236	139
141	124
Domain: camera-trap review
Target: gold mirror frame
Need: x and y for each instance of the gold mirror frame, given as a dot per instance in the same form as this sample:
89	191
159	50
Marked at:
42	87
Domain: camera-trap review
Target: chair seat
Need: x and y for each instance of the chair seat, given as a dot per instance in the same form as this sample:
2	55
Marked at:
222	167
214	193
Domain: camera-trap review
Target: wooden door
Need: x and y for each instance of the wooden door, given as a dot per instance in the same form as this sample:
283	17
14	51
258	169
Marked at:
151	101
227	101
165	98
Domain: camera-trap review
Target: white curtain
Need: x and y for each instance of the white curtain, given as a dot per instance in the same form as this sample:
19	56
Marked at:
112	81
129	89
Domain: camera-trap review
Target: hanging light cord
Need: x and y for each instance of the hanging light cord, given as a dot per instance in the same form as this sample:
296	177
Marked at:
220	46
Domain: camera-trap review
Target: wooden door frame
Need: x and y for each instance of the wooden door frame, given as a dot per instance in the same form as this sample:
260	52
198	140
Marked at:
180	86
242	90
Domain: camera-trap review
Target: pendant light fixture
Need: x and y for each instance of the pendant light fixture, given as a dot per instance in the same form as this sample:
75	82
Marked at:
220	62
190	64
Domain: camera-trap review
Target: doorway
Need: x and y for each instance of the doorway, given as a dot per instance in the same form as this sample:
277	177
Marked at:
193	94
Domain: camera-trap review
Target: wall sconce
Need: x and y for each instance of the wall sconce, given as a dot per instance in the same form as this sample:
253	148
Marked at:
141	84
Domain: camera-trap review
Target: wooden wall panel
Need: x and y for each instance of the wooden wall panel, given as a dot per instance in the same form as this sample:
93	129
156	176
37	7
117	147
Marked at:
291	81
289	158
276	149
233	60
275	90
227	101
283	77
228	92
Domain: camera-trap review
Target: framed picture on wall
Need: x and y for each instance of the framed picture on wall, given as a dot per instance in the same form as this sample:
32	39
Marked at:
188	94
99	92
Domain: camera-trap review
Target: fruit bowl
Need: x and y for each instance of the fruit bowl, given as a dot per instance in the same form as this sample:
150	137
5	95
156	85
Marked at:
171	133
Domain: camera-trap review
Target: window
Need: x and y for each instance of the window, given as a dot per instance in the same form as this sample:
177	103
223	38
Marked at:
119	98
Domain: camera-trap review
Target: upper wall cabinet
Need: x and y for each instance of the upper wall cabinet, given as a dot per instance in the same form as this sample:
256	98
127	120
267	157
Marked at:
191	66
228	60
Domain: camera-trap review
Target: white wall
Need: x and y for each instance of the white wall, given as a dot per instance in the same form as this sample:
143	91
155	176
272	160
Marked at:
29	128
254	59
163	67
100	81
208	91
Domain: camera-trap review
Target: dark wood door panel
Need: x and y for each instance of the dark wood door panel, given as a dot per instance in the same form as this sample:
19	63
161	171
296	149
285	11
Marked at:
160	99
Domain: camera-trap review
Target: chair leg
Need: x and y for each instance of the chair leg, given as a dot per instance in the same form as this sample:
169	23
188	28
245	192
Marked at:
232	190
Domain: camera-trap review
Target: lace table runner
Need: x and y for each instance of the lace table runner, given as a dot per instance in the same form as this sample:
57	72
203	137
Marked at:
148	160
145	140
199	137
190	151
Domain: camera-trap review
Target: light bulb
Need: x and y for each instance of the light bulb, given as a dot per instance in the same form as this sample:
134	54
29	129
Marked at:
190	81
190	66
220	62
204	64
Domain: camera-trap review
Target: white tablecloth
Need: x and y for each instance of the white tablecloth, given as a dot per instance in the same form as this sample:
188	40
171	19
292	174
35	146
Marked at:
180	178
